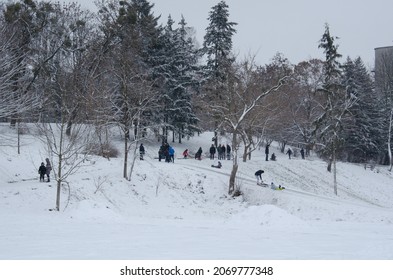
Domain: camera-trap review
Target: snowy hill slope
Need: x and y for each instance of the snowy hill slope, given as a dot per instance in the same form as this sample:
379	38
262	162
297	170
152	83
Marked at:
181	210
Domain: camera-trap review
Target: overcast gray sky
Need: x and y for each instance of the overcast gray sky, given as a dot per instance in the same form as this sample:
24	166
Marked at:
292	27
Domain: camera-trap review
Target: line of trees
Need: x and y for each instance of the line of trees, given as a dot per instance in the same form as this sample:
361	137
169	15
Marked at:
120	67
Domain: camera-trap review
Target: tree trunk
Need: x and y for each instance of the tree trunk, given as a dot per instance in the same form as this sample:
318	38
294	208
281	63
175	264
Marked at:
59	168
232	179
18	137
135	131
389	140
126	135
134	156
58	184
69	126
180	135
245	153
235	165
334	170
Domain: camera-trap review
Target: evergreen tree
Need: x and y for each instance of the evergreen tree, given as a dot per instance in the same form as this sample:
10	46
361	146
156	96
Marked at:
363	127
217	46
218	41
178	66
328	126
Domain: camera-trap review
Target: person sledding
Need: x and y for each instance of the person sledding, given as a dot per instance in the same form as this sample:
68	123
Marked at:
219	165
185	153
275	187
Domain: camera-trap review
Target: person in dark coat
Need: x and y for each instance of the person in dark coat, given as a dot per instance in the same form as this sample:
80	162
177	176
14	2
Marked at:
258	175
161	153
219	165
273	157
42	172
228	152
212	151
302	153
223	151
198	154
48	168
267	152
141	151
166	153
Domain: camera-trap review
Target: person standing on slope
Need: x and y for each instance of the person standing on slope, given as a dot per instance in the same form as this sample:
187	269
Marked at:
48	168
42	172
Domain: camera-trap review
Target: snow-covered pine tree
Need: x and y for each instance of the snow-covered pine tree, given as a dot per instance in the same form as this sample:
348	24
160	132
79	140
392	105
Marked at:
328	126
217	43
217	46
184	118
177	70
362	128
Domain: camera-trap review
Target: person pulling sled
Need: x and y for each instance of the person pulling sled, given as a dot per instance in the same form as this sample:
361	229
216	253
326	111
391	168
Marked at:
258	175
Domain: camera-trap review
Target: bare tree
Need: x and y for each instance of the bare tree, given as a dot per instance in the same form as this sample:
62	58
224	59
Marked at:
308	78
66	152
238	104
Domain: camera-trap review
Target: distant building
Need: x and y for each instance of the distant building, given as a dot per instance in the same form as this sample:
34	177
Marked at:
384	71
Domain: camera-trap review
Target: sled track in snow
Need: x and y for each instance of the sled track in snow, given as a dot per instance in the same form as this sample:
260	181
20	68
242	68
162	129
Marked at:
361	200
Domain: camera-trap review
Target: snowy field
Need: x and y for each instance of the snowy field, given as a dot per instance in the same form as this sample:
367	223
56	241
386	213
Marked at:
181	210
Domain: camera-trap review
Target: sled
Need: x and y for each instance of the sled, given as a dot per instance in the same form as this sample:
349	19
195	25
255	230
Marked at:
263	185
278	188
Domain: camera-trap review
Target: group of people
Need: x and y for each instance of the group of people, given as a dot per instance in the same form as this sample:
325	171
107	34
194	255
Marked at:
222	152
45	169
273	156
289	153
166	152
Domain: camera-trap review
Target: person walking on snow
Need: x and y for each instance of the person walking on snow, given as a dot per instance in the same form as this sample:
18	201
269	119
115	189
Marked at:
42	172
141	151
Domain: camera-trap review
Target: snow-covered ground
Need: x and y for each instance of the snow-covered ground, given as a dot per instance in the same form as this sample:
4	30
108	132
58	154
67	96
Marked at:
182	211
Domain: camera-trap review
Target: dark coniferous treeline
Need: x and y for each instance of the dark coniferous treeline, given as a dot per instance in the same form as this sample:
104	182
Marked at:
120	67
